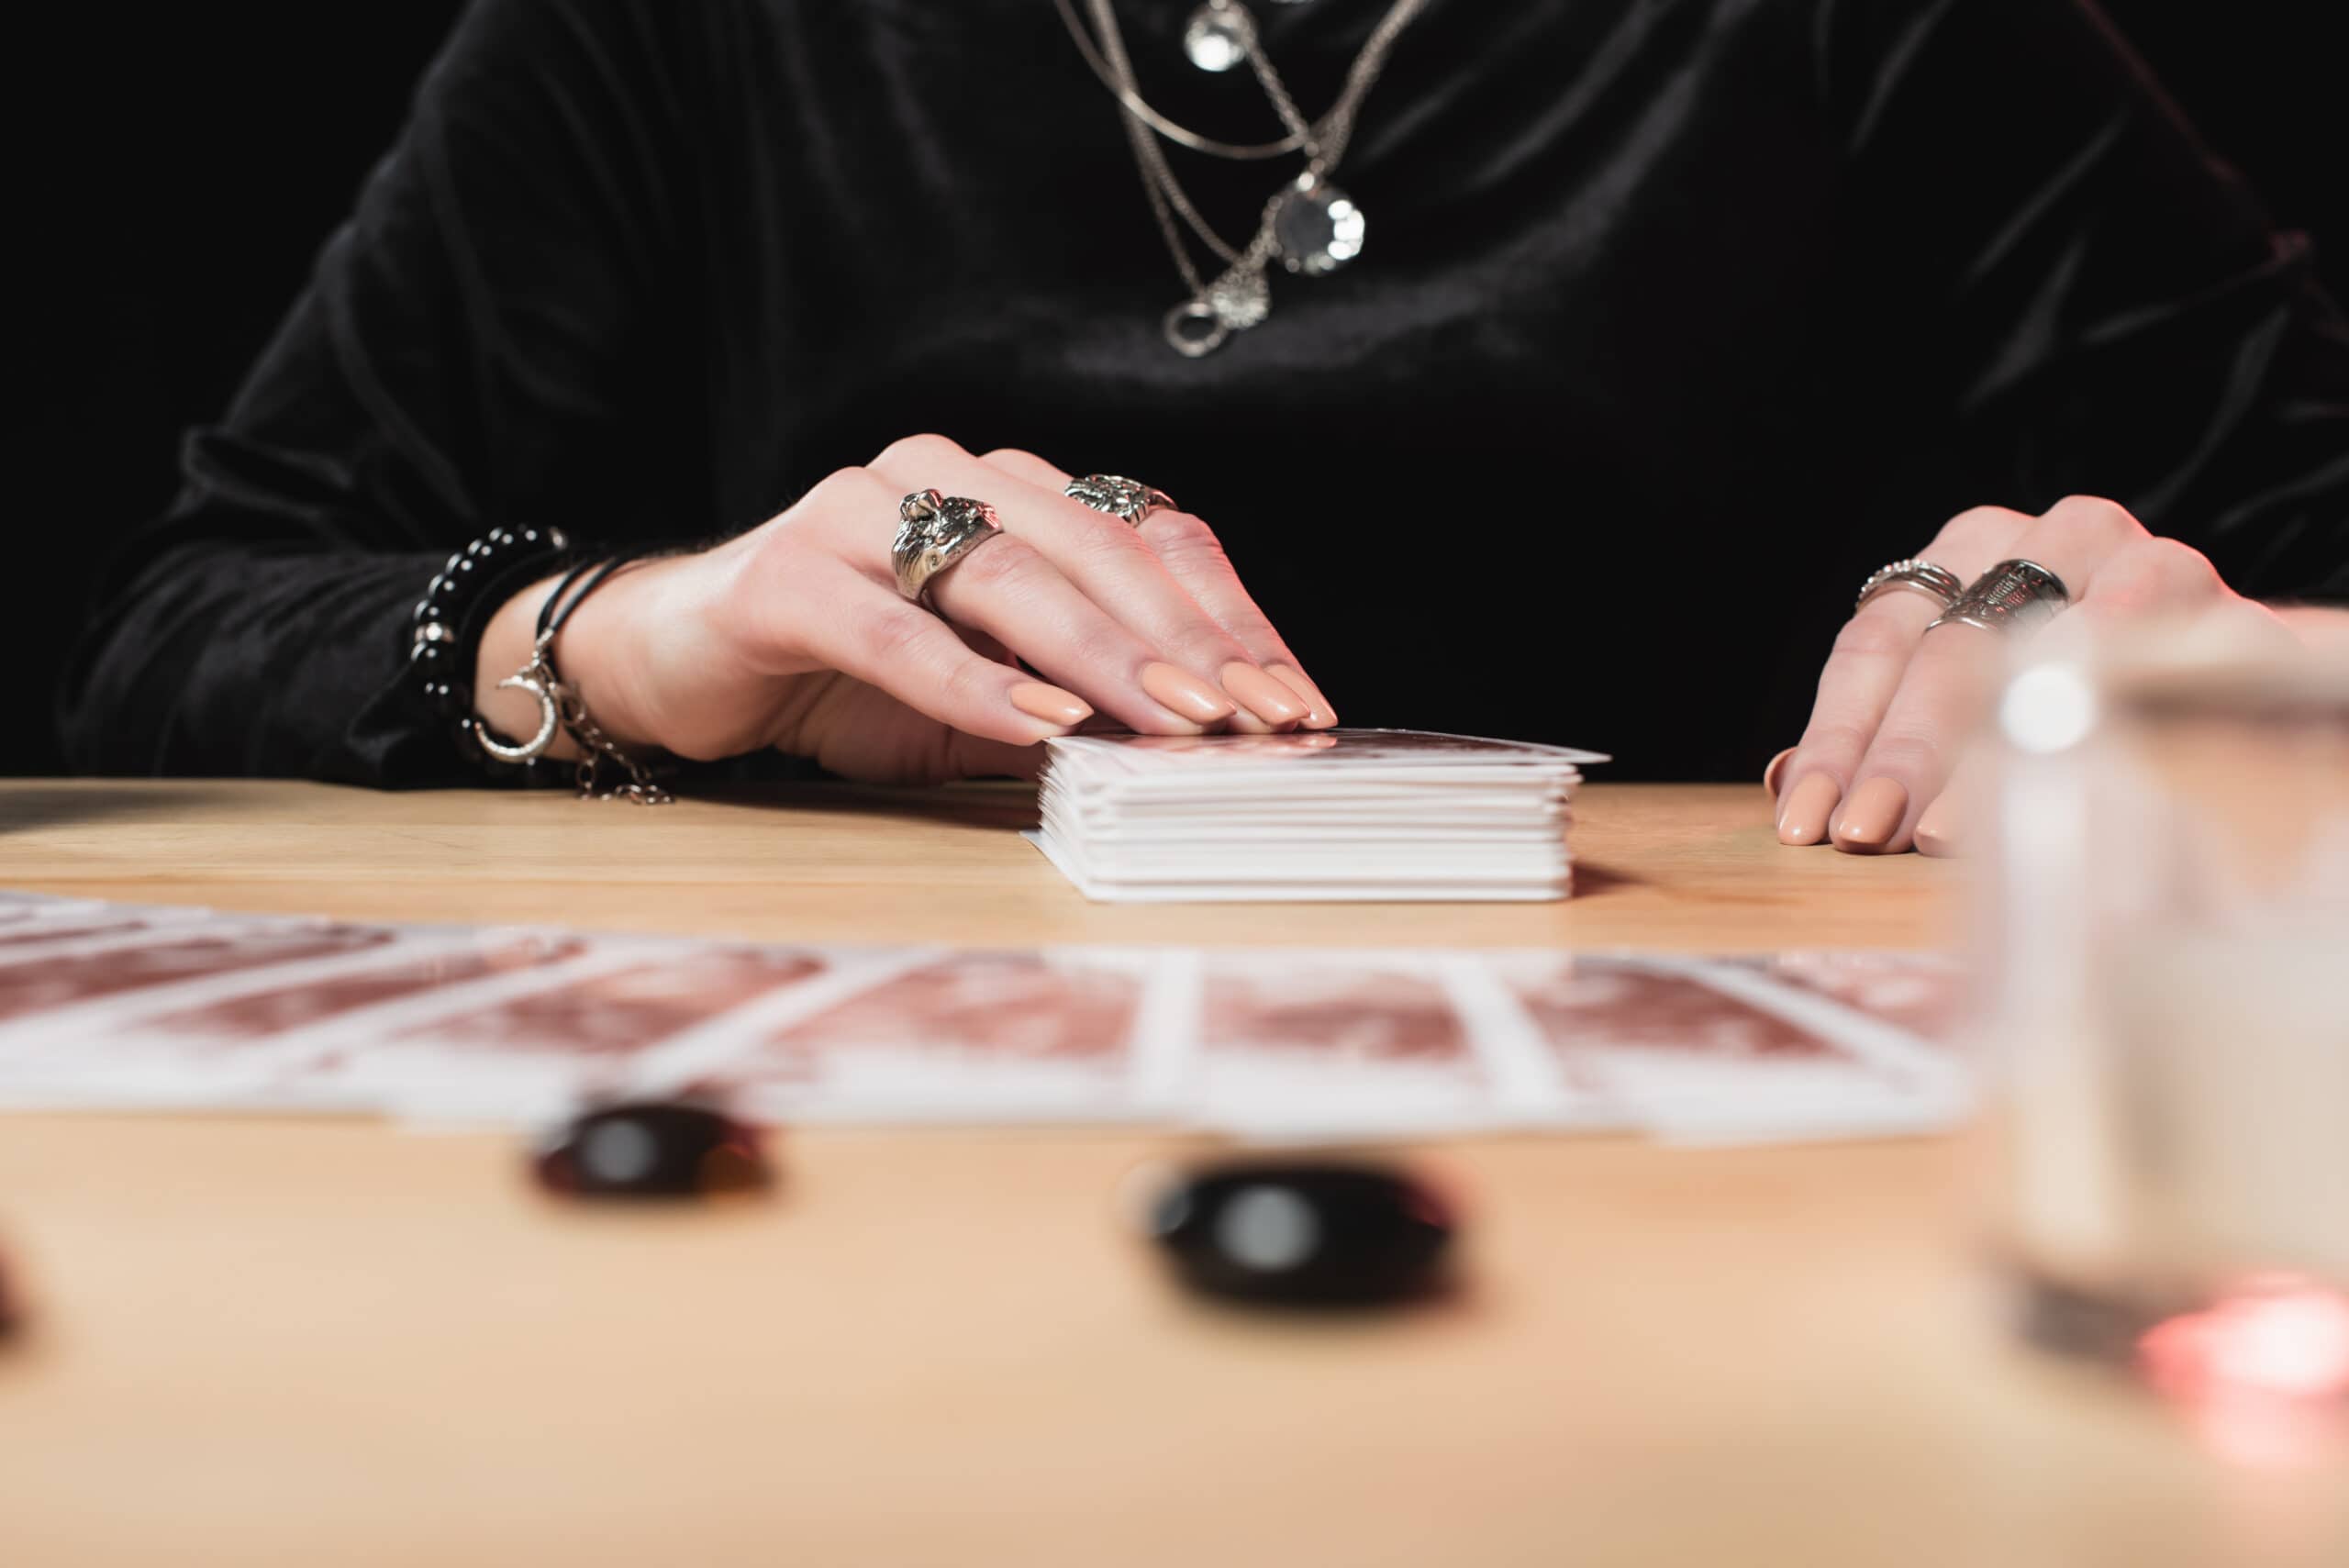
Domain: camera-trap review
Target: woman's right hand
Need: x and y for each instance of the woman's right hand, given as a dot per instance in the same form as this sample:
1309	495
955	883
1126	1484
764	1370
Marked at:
793	635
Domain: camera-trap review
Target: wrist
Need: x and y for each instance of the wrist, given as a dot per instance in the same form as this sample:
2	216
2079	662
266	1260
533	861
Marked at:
610	652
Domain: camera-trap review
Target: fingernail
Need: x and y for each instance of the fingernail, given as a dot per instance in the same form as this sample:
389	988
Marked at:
1937	831
1770	773
1318	713
1179	691
1263	695
1872	815
1050	703
1802	816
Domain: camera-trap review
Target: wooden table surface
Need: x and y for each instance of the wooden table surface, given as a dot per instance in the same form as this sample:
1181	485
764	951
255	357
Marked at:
264	1341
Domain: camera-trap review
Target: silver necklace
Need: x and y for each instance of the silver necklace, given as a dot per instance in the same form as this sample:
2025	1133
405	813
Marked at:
1309	225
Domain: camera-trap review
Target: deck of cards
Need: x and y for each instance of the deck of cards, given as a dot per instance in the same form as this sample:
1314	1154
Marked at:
1318	816
117	1006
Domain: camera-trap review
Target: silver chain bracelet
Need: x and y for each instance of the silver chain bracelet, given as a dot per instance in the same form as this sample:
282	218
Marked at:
563	710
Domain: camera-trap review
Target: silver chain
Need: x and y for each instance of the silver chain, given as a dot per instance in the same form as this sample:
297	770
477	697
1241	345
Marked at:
1240	296
542	681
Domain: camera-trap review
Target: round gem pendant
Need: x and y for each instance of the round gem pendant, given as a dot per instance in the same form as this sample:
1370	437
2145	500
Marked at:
1216	38
1317	226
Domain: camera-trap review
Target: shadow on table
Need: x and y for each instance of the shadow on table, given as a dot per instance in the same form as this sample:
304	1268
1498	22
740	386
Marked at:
1007	807
1594	880
66	804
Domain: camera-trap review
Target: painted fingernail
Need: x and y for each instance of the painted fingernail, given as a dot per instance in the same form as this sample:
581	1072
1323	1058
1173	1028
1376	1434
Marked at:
1318	713
1050	703
1802	816
1179	691
1261	694
1770	773
1937	831
1871	816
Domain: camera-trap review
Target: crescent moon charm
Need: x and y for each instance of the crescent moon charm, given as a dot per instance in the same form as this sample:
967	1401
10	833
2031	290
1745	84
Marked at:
548	721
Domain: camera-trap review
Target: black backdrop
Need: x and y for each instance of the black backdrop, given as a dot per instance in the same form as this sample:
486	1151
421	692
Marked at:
179	171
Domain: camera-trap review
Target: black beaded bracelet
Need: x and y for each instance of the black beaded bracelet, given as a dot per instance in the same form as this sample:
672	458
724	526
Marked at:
455	610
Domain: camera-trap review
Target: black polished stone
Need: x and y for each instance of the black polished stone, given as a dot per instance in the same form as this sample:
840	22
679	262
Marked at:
669	1148
1325	1233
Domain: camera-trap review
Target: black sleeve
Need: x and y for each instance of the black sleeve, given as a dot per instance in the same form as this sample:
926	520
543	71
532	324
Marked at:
2116	314
478	347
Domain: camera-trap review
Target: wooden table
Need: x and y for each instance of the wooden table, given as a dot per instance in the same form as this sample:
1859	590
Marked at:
312	1342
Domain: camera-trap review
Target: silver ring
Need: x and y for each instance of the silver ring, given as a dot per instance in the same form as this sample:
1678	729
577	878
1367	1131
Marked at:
935	531
2013	595
1128	498
1938	583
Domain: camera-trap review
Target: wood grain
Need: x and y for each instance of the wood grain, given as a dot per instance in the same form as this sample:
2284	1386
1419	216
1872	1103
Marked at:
285	1342
1658	866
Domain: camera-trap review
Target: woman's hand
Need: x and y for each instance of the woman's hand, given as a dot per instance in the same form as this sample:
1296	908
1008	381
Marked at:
1874	770
793	636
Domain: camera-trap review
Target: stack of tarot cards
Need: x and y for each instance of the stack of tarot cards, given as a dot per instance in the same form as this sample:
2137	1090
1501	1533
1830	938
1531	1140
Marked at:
1338	814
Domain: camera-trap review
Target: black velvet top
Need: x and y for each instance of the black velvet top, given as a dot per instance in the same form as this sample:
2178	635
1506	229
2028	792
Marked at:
1675	319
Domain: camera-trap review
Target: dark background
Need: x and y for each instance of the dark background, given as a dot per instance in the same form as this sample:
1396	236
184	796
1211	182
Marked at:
181	169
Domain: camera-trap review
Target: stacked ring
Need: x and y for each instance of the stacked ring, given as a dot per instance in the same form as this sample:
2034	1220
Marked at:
2012	595
935	531
1936	582
1128	498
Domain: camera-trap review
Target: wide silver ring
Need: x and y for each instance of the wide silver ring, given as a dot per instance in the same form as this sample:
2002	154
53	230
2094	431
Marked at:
2012	596
1938	583
935	531
1129	499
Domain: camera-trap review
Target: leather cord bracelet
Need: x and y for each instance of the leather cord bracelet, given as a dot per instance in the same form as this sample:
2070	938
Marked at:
563	710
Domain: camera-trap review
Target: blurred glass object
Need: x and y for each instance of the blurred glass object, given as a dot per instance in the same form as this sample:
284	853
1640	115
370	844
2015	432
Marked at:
2165	1012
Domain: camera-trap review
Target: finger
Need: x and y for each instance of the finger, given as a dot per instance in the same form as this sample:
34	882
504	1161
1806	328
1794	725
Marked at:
1950	825
873	635
2223	628
1003	589
1865	670
1196	558
1201	673
1950	677
972	757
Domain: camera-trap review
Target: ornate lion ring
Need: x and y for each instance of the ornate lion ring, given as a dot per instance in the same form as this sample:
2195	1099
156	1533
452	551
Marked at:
2013	595
935	531
1128	498
1938	583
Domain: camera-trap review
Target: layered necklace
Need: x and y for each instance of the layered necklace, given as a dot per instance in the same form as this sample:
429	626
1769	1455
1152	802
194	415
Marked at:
1308	225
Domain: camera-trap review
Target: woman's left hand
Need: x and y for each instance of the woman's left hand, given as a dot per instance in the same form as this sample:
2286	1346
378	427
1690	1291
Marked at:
1895	705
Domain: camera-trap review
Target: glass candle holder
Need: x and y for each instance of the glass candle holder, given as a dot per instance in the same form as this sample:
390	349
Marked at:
2166	1013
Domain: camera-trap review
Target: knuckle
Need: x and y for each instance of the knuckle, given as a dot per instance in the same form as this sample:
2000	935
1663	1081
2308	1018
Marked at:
2180	564
2095	517
1000	564
885	638
1104	542
1871	637
1977	529
1905	750
1103	646
1178	537
835	490
2153	571
1834	735
908	450
967	681
1015	458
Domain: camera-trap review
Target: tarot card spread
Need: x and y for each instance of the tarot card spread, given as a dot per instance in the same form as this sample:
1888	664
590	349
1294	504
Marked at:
125	1007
